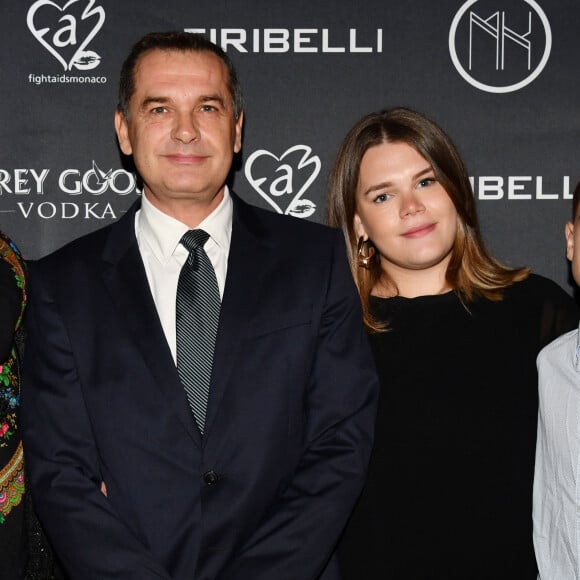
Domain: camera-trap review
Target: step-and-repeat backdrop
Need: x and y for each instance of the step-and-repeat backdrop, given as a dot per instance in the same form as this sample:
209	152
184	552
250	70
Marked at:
501	76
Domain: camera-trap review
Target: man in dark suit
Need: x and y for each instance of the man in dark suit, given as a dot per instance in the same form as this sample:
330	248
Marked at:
135	476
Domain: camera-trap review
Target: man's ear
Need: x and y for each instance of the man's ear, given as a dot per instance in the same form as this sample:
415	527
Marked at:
569	233
238	133
359	228
122	130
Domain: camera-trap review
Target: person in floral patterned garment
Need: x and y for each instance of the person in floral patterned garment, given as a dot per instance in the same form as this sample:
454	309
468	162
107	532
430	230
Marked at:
12	303
24	551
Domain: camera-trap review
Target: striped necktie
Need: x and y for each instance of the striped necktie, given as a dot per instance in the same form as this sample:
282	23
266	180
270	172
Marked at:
197	313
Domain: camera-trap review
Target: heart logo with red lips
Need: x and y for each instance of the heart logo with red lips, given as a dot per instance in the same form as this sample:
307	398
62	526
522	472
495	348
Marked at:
67	31
283	179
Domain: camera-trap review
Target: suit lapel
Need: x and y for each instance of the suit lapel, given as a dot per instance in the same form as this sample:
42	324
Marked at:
248	248
125	277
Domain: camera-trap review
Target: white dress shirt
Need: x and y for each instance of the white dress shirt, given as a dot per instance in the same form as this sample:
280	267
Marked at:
556	511
158	237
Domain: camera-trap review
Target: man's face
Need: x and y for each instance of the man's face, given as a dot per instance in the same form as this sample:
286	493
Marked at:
180	129
572	232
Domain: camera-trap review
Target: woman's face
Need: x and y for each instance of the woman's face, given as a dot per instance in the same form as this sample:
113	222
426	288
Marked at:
404	210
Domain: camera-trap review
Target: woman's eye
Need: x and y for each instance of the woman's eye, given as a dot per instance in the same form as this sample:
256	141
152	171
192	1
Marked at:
427	181
382	198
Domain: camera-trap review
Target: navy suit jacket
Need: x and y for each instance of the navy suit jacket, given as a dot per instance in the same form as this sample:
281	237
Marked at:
267	490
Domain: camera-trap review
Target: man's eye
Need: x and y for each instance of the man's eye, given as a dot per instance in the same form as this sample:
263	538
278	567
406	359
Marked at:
208	108
159	110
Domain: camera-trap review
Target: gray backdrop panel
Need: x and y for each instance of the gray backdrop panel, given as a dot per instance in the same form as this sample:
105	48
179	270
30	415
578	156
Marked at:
309	71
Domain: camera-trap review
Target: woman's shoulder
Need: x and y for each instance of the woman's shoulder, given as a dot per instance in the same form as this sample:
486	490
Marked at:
12	291
545	304
536	286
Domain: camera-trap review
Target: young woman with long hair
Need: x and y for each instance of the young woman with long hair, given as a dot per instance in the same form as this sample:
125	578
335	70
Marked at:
455	334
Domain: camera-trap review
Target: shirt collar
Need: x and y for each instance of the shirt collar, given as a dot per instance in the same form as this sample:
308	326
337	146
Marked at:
164	232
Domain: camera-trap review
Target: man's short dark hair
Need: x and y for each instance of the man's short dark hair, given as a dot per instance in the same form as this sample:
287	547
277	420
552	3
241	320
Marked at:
178	41
575	201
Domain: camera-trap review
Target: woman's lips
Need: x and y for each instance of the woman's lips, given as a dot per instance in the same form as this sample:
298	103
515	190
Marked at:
419	231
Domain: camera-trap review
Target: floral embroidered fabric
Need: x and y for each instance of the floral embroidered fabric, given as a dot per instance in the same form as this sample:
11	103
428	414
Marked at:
11	464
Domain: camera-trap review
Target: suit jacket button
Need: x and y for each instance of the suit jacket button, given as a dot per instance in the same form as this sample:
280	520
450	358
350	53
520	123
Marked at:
210	477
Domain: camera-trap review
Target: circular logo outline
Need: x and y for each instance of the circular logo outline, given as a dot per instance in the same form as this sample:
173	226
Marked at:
508	88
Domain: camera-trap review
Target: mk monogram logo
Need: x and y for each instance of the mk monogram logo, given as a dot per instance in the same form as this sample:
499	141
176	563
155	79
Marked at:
500	47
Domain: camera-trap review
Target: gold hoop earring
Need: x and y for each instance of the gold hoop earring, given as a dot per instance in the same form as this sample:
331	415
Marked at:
364	260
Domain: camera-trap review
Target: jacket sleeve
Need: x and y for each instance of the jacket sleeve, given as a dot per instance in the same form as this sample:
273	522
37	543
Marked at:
62	457
297	537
